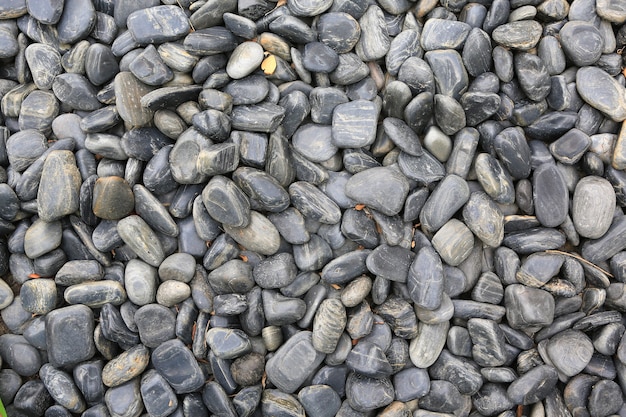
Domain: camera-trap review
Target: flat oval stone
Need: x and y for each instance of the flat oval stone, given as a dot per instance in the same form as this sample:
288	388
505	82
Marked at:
319	400
550	195
293	362
529	306
365	394
484	218
96	293
427	346
534	385
158	397
532	75
149	68
313	203
136	233
425	279
45	64
592	83
226	203
308	8
369	360
259	235
344	268
41	238
449	72
374	41
569	351
372	187
59	187
522	35
277	403
39	296
228	343
125	366
158	24
496	182
125	399
449	196
592	207
62	388
244	60
444	34
155	324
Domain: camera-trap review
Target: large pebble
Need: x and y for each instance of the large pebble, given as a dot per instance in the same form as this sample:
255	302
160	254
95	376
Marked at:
593	206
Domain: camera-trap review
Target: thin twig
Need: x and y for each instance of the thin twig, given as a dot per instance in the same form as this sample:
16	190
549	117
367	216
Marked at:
580	258
193	29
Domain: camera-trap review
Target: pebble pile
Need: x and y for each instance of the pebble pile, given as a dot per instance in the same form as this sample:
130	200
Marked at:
312	207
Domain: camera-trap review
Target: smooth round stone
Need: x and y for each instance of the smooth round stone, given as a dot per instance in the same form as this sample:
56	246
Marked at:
42	237
155	324
277	403
374	41
136	233
381	188
59	188
259	235
158	24
403	46
403	136
46	11
369	360
410	384
126	366
178	266
319	400
314	142
32	398
495	181
313	203
88	379
444	34
426	272
528	307
593	206
248	369
73	323
280	310
9	202
62	388
45	64
234	276
276	271
19	355
449	114
603	400
175	362
39	296
6	294
390	262
125	399
75	91
226	202
244	60
445	200
113	198
581	42
593	83
291	226
427	346
171	293
25	147
140	282
293	362
38	111
76	21
570	351
149	67
318	57
340	31
532	75
365	394
308	8
522	35
449	72
354	124
350	70
454	242
228	343
533	386
484	218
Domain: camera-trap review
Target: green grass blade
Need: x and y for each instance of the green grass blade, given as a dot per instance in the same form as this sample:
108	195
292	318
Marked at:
3	412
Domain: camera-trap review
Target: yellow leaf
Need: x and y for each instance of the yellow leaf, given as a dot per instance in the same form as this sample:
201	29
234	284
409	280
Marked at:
269	65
